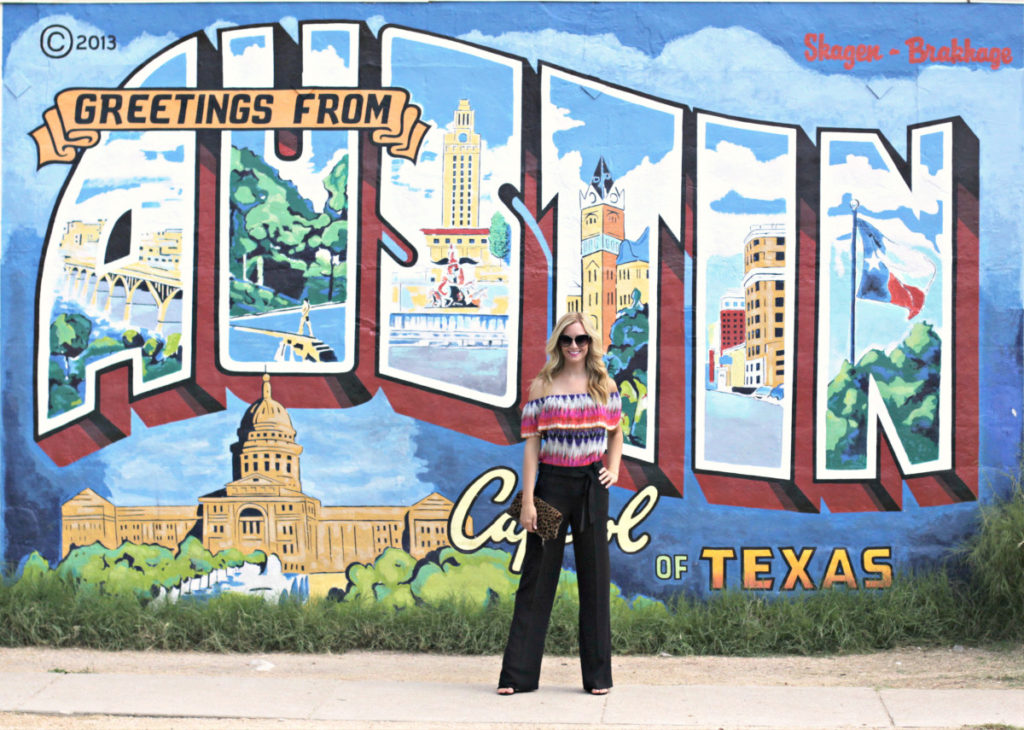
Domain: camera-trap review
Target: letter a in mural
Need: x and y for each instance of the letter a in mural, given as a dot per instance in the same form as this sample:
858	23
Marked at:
117	282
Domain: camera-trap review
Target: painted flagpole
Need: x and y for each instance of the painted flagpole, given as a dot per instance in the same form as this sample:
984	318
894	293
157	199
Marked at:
854	204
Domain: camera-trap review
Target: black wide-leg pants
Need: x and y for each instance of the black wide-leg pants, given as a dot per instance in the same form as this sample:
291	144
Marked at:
583	500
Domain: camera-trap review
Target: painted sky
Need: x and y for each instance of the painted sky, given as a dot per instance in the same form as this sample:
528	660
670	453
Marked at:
438	78
603	125
741	170
322	150
638	139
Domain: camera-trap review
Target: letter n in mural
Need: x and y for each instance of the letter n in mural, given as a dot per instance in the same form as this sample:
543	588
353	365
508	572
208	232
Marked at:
886	334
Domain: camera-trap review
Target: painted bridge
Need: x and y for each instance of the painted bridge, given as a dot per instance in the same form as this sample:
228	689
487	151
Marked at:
83	284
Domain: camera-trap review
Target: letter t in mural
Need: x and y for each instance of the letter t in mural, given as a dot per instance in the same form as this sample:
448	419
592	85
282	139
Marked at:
613	161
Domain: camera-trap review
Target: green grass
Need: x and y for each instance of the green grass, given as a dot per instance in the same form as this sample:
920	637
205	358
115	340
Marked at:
925	610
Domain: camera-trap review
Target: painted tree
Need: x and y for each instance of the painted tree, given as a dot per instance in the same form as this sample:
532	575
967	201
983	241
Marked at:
282	249
908	381
500	237
627	365
69	335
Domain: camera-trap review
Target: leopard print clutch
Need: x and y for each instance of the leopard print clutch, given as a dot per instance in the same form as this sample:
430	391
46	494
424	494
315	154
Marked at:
549	519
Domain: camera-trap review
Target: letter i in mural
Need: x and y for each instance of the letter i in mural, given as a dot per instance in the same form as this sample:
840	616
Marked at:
746	225
116	280
614	160
286	277
450	320
885	351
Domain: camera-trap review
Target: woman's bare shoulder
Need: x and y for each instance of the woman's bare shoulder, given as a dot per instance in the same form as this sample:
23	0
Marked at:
612	387
539	389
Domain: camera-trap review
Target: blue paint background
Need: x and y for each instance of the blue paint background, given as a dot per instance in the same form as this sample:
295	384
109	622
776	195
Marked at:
441	460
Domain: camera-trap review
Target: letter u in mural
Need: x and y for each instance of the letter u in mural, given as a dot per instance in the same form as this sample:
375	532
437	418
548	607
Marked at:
286	206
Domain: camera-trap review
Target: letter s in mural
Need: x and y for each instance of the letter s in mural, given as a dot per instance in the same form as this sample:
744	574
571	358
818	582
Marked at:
274	288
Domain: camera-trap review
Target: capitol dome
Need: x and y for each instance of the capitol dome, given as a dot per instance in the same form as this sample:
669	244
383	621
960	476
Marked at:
265	459
266	415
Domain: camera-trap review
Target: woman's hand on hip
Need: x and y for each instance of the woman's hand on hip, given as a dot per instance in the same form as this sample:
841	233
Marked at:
528	517
607	477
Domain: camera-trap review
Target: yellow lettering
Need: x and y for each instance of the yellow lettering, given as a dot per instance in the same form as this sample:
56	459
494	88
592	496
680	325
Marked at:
717	557
839	570
505	529
869	560
797	563
502	529
754	567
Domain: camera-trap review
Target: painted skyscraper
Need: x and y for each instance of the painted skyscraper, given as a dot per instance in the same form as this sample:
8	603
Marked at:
602	230
764	261
460	184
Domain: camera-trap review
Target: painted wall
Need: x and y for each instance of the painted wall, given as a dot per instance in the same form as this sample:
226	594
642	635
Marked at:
275	282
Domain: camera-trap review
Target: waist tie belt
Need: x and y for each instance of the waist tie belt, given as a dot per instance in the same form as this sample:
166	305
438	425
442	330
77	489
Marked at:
591	483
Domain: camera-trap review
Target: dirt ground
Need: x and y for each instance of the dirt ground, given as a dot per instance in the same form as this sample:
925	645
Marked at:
951	668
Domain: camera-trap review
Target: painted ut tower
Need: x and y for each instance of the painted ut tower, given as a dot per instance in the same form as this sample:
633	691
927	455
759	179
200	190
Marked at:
460	182
602	229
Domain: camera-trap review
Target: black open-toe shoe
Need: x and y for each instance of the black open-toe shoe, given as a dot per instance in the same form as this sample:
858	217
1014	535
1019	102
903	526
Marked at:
507	690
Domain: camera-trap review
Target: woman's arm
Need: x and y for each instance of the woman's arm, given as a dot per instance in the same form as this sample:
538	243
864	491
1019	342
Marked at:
531	454
609	473
531	459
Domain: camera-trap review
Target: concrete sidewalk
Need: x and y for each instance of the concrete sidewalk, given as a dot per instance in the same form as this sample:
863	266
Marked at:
250	693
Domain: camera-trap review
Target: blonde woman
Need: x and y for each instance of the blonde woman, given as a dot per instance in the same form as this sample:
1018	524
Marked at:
571	420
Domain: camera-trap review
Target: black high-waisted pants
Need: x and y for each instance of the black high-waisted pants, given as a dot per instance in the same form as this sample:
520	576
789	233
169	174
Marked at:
583	500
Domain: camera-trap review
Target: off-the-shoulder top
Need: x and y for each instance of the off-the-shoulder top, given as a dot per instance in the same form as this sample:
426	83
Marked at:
573	428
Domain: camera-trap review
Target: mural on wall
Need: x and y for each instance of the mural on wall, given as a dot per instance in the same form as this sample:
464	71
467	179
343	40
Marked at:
274	287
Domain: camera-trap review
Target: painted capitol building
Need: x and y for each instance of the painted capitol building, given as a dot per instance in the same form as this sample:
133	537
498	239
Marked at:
264	508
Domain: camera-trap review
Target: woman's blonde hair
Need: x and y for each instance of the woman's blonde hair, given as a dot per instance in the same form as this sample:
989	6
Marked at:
598	381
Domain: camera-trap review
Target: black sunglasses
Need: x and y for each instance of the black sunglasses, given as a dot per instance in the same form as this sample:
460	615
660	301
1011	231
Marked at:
580	340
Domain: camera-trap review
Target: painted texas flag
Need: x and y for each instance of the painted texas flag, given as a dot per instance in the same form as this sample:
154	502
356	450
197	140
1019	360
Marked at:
893	272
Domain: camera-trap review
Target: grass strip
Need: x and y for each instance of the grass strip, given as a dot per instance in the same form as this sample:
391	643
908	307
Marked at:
922	610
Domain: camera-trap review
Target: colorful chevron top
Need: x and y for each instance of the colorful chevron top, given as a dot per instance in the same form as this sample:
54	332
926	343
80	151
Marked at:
573	428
